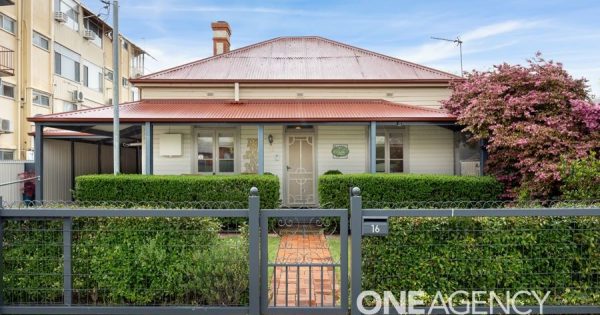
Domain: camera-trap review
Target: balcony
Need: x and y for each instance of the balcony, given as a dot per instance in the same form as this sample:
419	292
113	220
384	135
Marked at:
7	67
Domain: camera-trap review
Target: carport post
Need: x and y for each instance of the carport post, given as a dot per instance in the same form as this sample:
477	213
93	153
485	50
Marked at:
38	161
149	148
373	147
261	149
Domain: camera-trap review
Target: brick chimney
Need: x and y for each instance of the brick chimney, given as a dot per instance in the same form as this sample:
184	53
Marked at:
221	35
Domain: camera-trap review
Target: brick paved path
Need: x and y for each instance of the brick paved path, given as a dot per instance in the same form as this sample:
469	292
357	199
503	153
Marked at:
315	284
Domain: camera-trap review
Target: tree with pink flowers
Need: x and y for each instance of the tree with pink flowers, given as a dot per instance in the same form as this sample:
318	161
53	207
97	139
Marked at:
533	118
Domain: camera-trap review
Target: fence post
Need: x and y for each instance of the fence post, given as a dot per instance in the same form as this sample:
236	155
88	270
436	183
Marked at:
254	254
356	226
67	261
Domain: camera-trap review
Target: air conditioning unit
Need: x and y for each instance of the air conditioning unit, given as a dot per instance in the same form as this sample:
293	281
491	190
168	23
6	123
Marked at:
4	126
89	35
77	96
60	17
470	168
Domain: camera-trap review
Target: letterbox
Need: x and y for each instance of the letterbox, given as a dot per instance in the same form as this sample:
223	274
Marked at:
375	226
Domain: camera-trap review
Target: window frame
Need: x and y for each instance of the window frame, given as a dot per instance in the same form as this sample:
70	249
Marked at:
13	22
216	159
10	85
59	60
3	153
107	76
72	22
86	26
69	103
41	37
386	133
42	94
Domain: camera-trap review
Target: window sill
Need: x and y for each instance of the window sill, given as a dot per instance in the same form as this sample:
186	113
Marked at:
42	48
9	32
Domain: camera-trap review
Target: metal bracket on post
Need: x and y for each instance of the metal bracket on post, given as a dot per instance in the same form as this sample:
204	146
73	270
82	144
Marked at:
67	261
254	253
355	260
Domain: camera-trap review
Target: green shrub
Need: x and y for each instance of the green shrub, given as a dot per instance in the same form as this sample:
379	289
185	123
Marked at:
396	188
544	254
581	179
332	172
175	188
141	261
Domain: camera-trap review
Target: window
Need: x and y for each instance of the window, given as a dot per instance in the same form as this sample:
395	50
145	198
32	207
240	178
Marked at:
108	74
66	63
124	81
41	41
92	76
6	154
7	89
389	152
216	152
91	25
68	107
125	45
40	98
71	9
7	24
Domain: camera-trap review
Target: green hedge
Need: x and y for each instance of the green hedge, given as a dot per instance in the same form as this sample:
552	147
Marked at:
142	261
175	188
561	255
395	188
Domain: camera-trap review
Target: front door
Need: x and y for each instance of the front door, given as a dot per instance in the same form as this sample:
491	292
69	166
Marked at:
300	175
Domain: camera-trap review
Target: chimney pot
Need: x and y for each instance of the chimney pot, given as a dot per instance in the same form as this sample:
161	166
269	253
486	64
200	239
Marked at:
221	36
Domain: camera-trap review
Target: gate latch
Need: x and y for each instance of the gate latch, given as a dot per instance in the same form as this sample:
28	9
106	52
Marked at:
375	226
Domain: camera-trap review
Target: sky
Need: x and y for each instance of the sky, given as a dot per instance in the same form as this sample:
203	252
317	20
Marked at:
178	31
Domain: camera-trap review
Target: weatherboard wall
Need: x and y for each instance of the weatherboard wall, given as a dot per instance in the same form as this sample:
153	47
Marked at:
420	96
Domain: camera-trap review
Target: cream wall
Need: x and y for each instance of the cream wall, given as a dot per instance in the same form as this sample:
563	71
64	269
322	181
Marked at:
183	164
356	139
420	96
430	150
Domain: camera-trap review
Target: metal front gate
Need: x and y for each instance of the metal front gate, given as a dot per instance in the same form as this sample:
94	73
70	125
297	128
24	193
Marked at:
304	261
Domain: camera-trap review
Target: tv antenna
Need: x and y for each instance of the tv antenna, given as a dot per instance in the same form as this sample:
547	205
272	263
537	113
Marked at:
458	43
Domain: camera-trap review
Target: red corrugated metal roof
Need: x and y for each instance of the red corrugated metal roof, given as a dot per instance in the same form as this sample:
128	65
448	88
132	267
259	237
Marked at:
264	110
299	59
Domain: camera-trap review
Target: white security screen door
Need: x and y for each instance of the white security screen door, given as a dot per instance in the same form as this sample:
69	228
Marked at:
300	170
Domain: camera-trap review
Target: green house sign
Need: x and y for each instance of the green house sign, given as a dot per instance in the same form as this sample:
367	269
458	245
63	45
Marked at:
340	151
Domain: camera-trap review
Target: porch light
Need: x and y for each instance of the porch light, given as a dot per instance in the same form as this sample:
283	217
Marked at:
270	138
298	127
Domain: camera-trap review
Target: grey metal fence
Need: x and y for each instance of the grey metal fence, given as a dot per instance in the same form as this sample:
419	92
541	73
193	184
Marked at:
538	246
64	258
226	258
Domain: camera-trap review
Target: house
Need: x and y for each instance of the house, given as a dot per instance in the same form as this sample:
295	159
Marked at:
55	56
292	106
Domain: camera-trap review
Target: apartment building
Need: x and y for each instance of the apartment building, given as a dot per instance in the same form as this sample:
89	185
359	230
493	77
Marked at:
56	56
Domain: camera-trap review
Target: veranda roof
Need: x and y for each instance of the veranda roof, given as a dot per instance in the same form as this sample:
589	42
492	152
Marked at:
256	110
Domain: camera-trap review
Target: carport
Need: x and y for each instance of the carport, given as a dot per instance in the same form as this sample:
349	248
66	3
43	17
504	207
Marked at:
68	150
